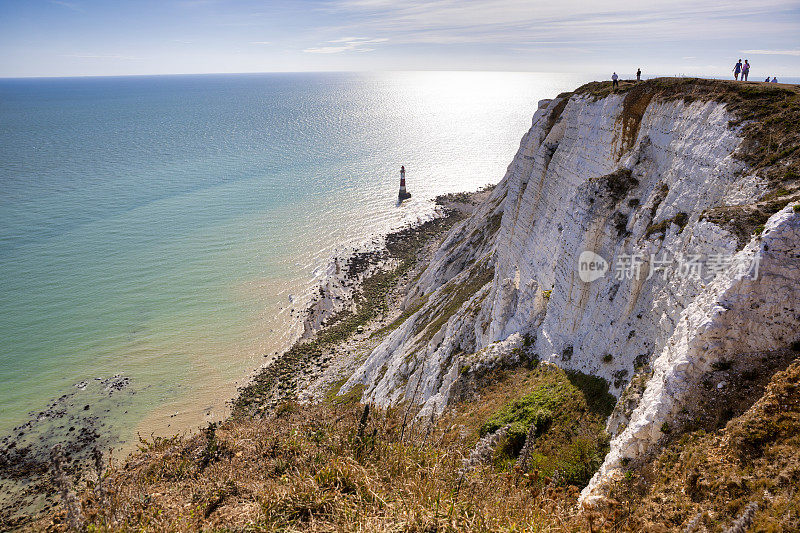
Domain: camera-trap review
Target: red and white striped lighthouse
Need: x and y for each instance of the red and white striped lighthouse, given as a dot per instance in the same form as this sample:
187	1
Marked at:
403	194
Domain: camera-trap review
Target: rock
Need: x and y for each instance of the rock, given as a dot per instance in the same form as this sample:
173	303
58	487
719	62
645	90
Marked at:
571	188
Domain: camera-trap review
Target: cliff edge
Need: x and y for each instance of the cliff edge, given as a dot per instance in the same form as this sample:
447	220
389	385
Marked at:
684	192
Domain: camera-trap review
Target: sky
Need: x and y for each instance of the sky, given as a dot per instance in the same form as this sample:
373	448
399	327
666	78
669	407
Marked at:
675	37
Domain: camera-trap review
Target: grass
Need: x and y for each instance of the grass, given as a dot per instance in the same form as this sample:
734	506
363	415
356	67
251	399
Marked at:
370	302
405	315
327	467
555	114
777	193
352	396
618	183
716	473
680	220
744	221
494	222
319	469
568	410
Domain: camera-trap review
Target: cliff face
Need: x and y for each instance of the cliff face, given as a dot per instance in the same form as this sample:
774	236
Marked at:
638	179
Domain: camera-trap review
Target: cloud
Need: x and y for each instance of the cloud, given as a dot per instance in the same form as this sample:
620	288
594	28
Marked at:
513	22
772	52
68	5
197	3
101	56
346	44
260	42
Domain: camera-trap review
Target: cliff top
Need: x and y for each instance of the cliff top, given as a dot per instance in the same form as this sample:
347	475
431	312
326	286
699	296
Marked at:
692	88
775	106
767	112
768	115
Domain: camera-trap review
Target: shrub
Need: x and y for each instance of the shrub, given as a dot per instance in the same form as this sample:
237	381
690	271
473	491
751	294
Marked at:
581	459
518	431
521	413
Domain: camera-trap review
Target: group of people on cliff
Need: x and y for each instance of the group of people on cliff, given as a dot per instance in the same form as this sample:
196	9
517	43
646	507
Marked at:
743	70
739	69
615	78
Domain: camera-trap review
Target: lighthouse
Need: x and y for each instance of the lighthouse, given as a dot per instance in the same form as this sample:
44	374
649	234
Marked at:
403	194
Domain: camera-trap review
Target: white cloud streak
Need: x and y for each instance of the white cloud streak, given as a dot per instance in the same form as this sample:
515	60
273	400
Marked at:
102	56
346	44
772	52
518	21
68	5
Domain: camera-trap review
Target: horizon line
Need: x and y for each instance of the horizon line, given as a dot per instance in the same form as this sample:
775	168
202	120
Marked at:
277	72
78	76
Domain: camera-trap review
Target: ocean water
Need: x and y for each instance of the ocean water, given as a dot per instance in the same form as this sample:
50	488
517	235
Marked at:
157	227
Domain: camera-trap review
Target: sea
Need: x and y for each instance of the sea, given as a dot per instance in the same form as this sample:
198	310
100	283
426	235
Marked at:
160	235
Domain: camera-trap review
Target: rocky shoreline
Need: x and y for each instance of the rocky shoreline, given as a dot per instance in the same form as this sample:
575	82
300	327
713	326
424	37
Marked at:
361	295
350	314
79	423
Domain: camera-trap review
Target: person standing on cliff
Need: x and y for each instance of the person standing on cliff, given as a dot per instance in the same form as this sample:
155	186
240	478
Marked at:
737	68
614	81
638	75
745	70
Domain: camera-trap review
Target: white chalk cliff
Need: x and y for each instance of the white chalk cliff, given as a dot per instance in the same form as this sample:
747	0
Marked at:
628	178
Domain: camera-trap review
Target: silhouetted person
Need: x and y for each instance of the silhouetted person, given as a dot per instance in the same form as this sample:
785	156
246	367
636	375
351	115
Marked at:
737	68
638	74
614	81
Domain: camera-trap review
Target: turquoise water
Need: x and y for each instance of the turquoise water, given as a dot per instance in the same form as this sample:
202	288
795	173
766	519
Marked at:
155	227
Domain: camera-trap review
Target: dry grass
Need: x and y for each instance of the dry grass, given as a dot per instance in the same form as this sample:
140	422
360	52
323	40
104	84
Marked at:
328	468
716	474
311	471
325	468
